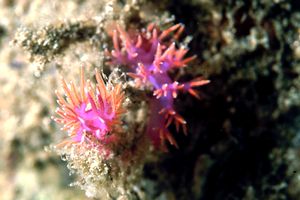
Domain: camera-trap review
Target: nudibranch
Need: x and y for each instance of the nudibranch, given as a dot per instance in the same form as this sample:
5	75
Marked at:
91	112
150	54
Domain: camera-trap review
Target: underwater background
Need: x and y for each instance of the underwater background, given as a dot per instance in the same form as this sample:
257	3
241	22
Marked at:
243	130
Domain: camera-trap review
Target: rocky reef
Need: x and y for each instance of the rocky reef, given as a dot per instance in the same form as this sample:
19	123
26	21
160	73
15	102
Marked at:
236	137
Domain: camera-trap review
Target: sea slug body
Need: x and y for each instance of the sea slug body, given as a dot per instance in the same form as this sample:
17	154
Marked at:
150	55
90	113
